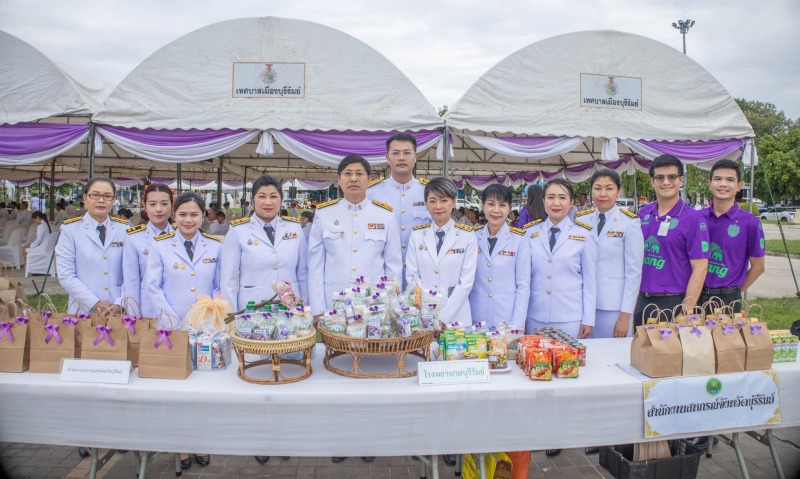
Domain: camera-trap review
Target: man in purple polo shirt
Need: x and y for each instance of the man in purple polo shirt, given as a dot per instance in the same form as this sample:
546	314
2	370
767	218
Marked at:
737	238
675	243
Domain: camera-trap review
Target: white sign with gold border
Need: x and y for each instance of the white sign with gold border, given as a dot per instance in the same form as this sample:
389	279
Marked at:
709	403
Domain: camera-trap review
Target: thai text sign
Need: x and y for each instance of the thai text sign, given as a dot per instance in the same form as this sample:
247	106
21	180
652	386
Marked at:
95	371
610	91
269	80
465	371
709	403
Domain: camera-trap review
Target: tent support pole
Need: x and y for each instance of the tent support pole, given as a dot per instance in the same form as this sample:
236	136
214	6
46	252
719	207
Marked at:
92	133
52	189
41	190
446	152
753	185
179	179
244	188
219	185
635	192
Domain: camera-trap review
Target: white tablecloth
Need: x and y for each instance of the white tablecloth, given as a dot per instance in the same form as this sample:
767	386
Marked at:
330	415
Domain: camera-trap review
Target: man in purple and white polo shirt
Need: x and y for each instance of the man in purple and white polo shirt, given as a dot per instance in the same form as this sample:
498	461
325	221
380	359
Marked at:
737	238
675	243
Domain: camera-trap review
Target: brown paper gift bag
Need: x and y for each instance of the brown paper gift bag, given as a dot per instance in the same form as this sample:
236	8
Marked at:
697	344
8	308
50	343
164	354
134	324
729	348
15	347
758	343
662	355
105	342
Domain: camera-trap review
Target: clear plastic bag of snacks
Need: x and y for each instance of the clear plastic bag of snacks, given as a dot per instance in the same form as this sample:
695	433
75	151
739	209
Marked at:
304	323
429	317
357	329
285	327
479	327
404	329
335	321
338	300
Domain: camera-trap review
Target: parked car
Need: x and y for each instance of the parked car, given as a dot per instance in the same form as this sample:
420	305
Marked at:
777	213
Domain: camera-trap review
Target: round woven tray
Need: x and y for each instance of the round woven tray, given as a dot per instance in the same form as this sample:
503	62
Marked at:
276	351
358	348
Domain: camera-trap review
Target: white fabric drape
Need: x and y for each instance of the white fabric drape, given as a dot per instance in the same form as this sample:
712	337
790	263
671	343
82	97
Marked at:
651	153
176	154
750	154
42	155
314	184
548	149
609	152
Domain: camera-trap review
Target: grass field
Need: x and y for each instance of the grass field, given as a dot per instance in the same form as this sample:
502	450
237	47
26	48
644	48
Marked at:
776	246
780	313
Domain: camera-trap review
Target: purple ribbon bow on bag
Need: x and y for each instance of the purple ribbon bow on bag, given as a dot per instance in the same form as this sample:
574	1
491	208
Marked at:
163	336
83	316
360	280
381	286
755	329
727	329
52	332
5	329
432	292
739	324
103	330
23	320
697	331
666	333
384	279
70	321
129	321
46	315
711	323
356	290
374	309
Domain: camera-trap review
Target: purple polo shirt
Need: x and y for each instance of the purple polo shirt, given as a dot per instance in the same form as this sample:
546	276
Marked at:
666	267
735	236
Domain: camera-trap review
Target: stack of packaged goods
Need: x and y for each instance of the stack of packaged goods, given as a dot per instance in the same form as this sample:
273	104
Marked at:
273	322
497	345
550	352
784	346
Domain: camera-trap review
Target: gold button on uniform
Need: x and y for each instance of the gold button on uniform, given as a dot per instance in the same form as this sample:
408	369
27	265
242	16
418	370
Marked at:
105	288
549	260
355	250
490	280
355	232
192	289
275	267
191	274
402	194
488	265
403	228
549	276
105	272
105	257
403	210
548	291
404	247
436	271
354	268
490	295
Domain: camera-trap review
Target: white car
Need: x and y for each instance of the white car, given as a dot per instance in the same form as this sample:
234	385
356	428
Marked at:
461	202
777	214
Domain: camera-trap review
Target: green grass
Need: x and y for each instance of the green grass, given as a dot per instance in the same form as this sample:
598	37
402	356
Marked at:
775	222
776	246
779	313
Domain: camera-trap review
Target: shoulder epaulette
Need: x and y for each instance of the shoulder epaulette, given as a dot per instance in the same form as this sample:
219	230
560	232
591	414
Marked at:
464	227
383	205
476	228
628	212
213	237
136	229
424	181
585	212
240	221
291	218
119	220
584	225
174	226
422	226
516	230
164	236
374	182
327	203
534	222
72	220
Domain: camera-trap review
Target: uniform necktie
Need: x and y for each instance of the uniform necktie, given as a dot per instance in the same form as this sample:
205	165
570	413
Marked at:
188	245
553	232
101	231
492	242
270	233
163	232
440	234
601	223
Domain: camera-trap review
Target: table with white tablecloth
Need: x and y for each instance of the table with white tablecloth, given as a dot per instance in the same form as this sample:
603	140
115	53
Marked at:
331	415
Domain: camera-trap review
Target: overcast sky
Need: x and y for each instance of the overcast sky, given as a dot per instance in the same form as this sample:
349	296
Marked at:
443	46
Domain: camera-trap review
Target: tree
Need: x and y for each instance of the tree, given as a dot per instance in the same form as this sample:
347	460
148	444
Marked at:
764	117
779	157
441	111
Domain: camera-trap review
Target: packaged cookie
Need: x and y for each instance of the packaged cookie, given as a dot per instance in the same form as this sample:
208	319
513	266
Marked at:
476	346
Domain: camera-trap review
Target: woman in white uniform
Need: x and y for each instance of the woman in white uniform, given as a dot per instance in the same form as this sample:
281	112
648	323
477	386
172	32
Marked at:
443	254
263	248
141	244
501	290
563	267
184	266
43	232
620	248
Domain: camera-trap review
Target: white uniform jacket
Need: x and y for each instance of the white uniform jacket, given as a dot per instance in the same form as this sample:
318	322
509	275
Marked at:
140	245
250	263
451	271
564	281
502	280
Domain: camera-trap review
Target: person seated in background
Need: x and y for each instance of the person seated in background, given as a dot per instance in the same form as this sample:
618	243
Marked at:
228	210
71	210
223	224
210	223
306	219
43	232
470	217
82	210
24	213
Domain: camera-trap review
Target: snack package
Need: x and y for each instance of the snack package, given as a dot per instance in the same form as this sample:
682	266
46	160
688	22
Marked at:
497	342
303	322
512	340
213	351
404	329
356	329
479	328
413	295
476	346
455	344
338	299
335	321
565	362
540	364
374	326
429	317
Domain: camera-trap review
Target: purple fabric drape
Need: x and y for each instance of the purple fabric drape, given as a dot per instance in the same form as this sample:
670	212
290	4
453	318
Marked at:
31	138
150	136
529	140
364	143
696	150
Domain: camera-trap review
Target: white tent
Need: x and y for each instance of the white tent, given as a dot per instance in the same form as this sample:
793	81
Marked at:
593	96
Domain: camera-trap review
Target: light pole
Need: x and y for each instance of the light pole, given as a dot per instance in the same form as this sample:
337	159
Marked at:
683	26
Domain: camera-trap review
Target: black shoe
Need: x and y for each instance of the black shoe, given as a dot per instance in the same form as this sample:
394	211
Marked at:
449	460
552	452
591	450
83	452
367	458
262	459
186	463
338	459
202	460
700	443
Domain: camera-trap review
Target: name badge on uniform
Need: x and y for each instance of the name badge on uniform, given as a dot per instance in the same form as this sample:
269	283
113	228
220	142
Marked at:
578	238
419	203
507	253
376	226
455	251
535	234
663	227
117	243
210	260
422	247
291	235
615	234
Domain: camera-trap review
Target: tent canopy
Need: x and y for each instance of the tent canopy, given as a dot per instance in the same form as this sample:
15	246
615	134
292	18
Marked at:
262	73
32	87
542	89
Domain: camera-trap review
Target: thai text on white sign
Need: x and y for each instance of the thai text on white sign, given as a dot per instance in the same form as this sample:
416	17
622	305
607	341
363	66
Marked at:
269	80
611	91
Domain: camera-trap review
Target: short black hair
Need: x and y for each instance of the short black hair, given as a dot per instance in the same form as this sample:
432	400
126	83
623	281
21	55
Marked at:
441	186
497	193
221	214
351	159
606	173
187	197
561	182
402	137
263	182
726	165
665	160
98	179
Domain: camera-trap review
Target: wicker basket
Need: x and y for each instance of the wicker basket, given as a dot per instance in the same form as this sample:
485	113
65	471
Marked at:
358	348
276	350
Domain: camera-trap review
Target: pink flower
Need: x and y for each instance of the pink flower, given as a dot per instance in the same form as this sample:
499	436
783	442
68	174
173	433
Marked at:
290	299
281	287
